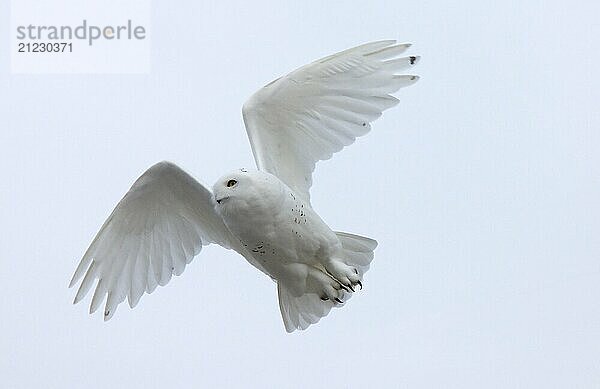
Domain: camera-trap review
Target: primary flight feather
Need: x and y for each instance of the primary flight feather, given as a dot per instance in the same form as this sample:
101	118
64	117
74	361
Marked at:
161	224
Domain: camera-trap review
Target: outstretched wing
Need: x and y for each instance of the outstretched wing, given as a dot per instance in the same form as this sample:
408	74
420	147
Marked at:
154	232
316	110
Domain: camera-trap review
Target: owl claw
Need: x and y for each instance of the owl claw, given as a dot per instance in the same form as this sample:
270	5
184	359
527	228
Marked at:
351	288
324	298
338	300
360	284
345	287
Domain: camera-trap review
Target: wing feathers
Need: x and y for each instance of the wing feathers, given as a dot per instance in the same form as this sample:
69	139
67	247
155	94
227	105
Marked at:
398	64
403	81
99	294
362	49
388	52
154	232
318	109
87	283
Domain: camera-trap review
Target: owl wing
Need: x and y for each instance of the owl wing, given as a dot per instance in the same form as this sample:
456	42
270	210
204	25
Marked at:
318	109
156	229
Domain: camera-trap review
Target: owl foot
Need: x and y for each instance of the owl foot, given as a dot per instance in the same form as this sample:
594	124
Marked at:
325	286
346	275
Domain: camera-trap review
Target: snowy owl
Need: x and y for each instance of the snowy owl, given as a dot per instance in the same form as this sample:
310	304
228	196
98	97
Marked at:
166	217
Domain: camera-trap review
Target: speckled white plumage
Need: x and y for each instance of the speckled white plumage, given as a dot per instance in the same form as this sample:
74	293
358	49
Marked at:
266	215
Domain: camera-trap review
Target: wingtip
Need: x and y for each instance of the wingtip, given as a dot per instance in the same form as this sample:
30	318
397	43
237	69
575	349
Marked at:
134	299
290	330
386	41
76	277
375	243
402	47
409	79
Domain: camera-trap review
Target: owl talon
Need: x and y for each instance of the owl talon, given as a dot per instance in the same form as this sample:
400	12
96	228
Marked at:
324	298
359	284
345	287
338	300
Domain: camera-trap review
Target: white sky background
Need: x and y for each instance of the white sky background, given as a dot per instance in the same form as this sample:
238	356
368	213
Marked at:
481	187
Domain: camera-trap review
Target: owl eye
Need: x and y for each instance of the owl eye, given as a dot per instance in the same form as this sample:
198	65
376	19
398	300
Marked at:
231	183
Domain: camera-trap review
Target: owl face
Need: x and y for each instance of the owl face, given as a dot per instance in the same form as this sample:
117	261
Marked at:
246	185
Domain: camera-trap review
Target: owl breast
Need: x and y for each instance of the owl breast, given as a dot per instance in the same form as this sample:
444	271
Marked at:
277	227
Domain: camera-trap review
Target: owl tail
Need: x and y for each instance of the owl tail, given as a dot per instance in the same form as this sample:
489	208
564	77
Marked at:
358	250
300	312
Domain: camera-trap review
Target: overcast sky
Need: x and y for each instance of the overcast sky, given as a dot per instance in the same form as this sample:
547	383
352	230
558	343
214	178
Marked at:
481	187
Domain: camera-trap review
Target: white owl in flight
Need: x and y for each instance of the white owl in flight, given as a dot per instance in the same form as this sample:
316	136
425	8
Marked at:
162	223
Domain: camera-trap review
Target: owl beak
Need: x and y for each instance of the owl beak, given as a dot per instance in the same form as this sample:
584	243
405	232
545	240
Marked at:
219	201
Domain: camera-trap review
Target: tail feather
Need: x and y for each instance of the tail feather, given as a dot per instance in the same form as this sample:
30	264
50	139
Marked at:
358	250
299	313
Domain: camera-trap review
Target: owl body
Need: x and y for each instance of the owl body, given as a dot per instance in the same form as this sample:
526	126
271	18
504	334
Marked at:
279	232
